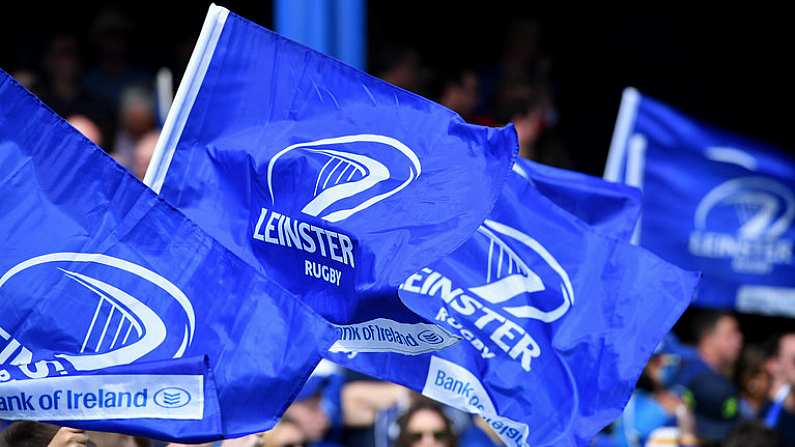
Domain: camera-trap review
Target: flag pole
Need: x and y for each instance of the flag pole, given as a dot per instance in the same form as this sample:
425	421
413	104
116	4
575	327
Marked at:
618	144
186	95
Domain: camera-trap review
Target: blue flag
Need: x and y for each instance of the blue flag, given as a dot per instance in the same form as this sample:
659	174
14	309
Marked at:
544	305
336	183
119	314
713	202
610	208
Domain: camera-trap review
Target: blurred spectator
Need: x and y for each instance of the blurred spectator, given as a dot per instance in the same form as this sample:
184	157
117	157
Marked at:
136	118
522	58
522	62
284	434
365	401
425	425
752	434
252	440
521	105
400	66
714	404
651	406
27	78
456	89
86	127
143	153
103	439
709	392
718	343
753	380
111	34
71	437
527	108
63	91
780	412
317	410
36	434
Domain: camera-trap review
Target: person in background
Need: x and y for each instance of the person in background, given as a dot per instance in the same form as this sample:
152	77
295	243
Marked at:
136	119
754	381
85	126
705	377
317	410
28	78
652	406
36	434
63	91
779	413
528	108
400	66
425	425
457	89
104	439
285	434
143	153
367	403
111	38
752	434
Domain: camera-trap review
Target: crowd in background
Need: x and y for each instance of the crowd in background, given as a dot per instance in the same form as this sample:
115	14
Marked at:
113	101
716	391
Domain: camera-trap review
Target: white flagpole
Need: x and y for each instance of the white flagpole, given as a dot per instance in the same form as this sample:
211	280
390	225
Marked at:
185	97
618	145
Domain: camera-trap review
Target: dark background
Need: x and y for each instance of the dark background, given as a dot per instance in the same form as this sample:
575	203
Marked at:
733	70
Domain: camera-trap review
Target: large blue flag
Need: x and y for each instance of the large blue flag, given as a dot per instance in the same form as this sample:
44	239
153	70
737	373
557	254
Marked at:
336	183
117	313
545	305
713	202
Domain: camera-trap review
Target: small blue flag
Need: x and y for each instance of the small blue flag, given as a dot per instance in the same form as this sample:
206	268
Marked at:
713	202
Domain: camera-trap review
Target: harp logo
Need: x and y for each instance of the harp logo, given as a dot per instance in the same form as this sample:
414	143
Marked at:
746	220
510	282
343	176
93	322
523	281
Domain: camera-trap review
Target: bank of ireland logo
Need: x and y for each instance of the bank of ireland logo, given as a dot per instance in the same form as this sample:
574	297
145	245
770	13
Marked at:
512	284
110	326
172	397
746	220
431	337
335	178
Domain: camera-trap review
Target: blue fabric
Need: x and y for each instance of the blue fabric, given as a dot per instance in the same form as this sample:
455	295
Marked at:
97	273
716	203
608	207
375	181
544	305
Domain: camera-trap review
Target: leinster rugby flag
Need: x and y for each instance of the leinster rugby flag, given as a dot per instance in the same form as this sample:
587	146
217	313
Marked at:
713	202
119	314
545	305
336	183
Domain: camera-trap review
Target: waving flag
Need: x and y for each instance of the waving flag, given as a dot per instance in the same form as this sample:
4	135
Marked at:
336	183
544	305
713	202
610	208
119	314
